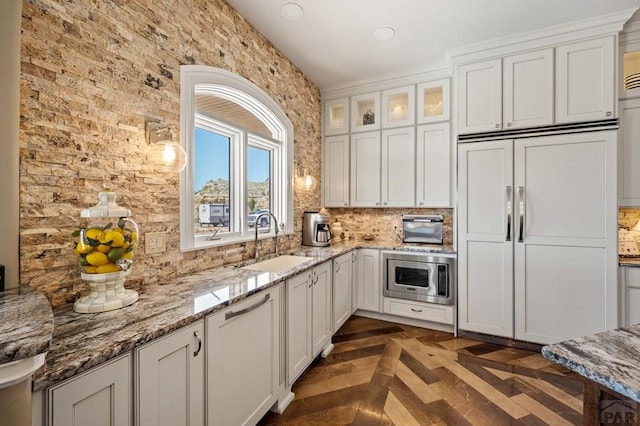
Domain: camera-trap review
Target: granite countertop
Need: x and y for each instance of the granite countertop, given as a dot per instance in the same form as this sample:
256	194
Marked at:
83	341
610	358
629	261
26	324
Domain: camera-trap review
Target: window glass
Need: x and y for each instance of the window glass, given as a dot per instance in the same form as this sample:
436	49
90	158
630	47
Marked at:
258	185
212	191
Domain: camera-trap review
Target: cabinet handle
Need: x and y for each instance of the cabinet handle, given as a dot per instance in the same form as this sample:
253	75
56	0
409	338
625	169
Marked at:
232	314
421	203
608	114
315	278
337	267
346	204
197	336
508	238
497	126
377	203
521	214
416	310
508	124
353	257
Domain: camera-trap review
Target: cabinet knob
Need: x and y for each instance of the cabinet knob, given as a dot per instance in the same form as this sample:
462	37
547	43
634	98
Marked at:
508	124
385	203
608	114
421	203
497	126
346	204
377	203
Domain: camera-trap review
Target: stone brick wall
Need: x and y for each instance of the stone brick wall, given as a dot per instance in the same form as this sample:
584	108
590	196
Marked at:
92	73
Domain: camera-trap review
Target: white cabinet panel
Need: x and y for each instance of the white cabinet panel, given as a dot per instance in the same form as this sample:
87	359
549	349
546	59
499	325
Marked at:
629	156
398	167
336	171
99	397
243	359
336	116
418	310
342	291
170	376
630	300
368	280
433	101
365	112
398	107
365	169
321	307
528	89
633	305
433	166
480	96
299	324
585	80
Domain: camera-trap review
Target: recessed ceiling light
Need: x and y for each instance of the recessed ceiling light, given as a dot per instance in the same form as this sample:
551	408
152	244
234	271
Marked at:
292	11
384	33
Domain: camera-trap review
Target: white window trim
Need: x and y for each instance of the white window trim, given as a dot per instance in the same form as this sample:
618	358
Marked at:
243	92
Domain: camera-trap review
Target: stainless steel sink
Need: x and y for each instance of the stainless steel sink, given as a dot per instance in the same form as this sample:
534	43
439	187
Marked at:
278	264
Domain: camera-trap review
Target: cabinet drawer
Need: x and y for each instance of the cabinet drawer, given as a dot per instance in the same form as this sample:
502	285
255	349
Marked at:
423	311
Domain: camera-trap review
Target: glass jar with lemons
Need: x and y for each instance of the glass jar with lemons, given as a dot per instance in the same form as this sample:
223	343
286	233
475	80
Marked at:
105	250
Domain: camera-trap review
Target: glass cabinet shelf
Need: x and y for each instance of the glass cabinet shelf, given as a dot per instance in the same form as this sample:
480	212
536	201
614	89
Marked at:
433	101
365	112
398	107
336	116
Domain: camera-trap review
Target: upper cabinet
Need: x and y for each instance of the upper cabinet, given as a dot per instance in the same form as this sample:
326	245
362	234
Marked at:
365	112
585	75
508	93
517	91
433	101
336	116
398	107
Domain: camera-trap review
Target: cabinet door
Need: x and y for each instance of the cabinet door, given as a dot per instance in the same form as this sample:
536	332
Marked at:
170	379
365	112
585	81
630	284
433	101
321	307
342	277
369	284
633	306
480	96
299	319
566	243
336	116
528	89
365	169
629	155
398	167
433	168
99	397
336	171
485	237
243	359
398	107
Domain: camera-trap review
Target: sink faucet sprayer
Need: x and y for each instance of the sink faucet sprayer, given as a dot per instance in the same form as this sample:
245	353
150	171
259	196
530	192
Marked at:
275	223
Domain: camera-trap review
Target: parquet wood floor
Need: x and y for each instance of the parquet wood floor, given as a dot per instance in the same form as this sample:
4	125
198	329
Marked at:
381	373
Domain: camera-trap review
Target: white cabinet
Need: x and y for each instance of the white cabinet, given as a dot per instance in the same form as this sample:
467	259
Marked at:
513	92
365	112
629	155
170	373
336	171
342	289
630	300
585	76
365	169
398	107
552	246
423	311
308	318
336	116
99	397
398	167
243	359
480	96
369	286
433	101
433	165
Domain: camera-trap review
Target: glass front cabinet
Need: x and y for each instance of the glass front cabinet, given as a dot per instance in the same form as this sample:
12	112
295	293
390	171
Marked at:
365	112
398	107
433	101
336	117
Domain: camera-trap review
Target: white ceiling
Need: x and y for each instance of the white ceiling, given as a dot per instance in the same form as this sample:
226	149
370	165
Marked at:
333	42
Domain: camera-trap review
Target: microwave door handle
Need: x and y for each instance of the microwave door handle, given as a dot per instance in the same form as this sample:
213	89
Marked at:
509	208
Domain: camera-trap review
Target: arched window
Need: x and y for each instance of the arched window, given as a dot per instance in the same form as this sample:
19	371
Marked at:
239	145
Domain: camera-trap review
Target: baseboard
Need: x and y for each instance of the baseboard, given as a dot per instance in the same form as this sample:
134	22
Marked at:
406	321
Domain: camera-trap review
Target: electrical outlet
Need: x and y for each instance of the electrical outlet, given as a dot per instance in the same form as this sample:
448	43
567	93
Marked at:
155	242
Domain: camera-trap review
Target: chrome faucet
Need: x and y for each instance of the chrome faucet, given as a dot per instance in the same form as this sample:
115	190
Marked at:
275	223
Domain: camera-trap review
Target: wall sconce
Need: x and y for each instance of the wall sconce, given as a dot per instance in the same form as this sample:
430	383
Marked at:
304	180
167	154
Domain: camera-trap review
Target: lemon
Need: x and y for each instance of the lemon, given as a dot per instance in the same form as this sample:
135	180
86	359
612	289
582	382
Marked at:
97	258
94	233
83	248
103	248
108	268
116	238
90	269
127	255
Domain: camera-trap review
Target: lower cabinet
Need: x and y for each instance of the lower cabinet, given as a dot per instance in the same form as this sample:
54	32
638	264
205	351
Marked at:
630	290
342	292
98	397
308	318
369	286
243	360
169	382
423	311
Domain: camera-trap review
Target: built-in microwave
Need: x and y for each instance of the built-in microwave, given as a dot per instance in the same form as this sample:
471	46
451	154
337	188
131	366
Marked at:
419	276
